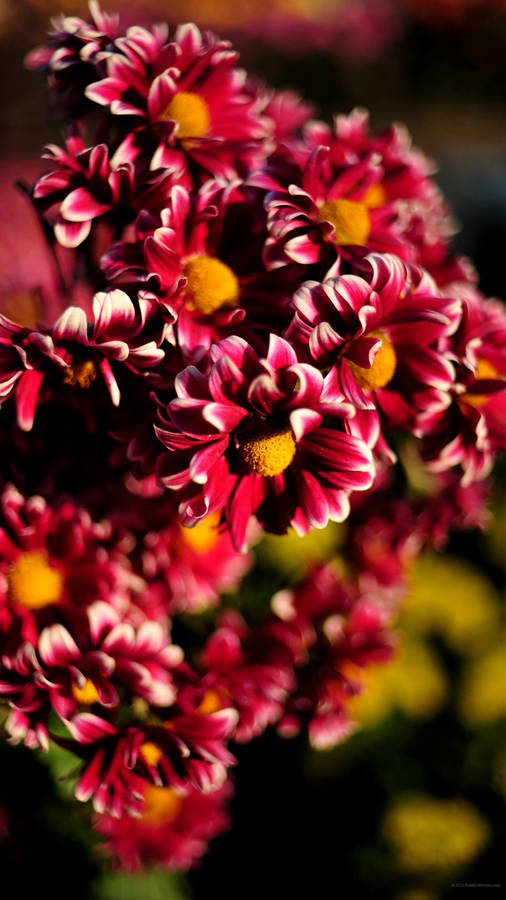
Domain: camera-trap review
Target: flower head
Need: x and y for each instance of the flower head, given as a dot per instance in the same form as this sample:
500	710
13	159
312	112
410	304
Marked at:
252	438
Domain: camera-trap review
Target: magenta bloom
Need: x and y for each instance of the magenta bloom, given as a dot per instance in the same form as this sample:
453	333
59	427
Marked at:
382	334
54	563
342	629
89	185
252	438
186	93
78	347
250	667
471	428
67	672
182	250
340	193
172	830
187	751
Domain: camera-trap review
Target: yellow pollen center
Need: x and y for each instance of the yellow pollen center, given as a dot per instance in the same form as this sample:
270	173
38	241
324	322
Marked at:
351	221
33	582
161	805
211	284
382	369
375	196
210	703
23	308
150	753
484	369
268	453
81	373
87	694
203	536
191	113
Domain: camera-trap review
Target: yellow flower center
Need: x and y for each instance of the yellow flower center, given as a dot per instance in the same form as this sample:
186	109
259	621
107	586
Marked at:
150	753
87	694
375	196
81	373
210	703
191	113
382	369
23	308
484	369
203	536
211	284
351	221
33	582
161	805
268	453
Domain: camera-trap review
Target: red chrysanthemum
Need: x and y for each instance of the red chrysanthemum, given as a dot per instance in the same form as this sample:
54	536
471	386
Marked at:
173	829
264	437
383	335
187	94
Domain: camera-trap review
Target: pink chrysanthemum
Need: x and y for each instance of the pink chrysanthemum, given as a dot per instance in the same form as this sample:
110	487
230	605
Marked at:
343	629
383	335
341	193
78	347
211	282
471	428
54	563
249	667
68	672
89	185
173	829
187	751
252	438
187	94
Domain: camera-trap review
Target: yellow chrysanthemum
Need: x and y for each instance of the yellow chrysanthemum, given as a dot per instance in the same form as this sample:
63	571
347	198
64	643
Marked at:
482	696
452	598
414	682
430	834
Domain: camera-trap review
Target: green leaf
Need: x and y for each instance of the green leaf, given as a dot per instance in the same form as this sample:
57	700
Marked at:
153	885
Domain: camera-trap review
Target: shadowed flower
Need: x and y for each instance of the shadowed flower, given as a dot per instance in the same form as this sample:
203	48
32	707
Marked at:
172	829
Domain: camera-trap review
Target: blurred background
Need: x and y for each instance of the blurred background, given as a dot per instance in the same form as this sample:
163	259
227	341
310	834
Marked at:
414	803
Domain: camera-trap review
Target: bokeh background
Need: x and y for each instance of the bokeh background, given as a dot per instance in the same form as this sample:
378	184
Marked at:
414	803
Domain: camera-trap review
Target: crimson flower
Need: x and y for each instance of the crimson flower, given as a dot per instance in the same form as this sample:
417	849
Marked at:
266	437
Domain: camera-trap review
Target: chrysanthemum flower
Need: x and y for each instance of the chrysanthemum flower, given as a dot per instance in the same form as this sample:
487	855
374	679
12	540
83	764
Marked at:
78	347
73	48
187	94
54	563
186	751
343	631
382	333
248	667
90	185
173	829
341	193
429	834
188	568
252	438
211	282
471	427
68	672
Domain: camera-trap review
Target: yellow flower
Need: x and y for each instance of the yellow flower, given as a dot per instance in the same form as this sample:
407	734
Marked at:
452	598
429	834
482	696
413	682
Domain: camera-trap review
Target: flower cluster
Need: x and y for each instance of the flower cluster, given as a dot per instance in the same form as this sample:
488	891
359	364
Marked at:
239	321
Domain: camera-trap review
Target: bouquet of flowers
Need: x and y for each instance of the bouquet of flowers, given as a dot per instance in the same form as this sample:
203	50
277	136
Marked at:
220	319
